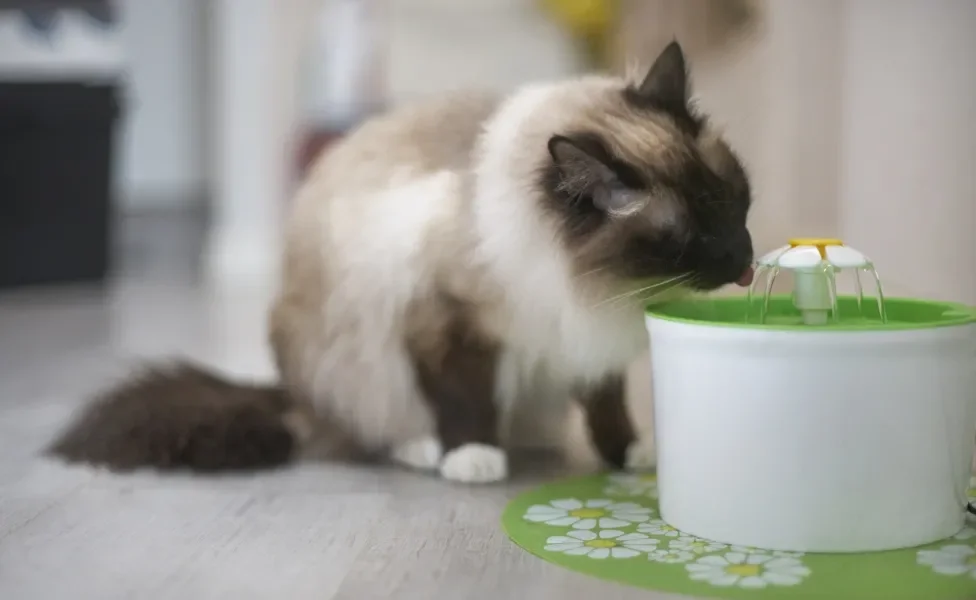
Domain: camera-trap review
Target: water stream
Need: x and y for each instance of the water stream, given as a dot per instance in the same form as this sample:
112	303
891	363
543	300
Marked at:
859	291
765	276
877	283
830	273
757	277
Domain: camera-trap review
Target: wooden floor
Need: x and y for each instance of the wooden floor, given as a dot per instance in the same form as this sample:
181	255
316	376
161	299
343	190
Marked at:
322	531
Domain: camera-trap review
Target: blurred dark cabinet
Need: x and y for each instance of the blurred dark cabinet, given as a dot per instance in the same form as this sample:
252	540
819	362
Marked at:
57	154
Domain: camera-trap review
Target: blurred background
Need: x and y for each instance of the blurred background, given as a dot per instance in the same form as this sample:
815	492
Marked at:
857	118
158	141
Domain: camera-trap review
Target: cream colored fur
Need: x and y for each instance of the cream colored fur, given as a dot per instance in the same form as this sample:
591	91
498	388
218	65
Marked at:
444	195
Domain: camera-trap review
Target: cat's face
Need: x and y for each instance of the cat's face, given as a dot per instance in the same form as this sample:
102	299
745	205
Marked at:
645	191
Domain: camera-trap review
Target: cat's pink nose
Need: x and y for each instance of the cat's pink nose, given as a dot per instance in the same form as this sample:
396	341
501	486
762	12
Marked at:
746	279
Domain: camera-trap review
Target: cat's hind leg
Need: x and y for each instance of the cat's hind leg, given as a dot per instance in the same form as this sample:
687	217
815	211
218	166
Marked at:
455	365
355	373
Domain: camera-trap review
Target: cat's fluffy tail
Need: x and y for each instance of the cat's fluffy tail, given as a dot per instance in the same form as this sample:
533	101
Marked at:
183	417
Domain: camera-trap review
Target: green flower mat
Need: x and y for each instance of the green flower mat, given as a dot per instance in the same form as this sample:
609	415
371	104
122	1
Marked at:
608	526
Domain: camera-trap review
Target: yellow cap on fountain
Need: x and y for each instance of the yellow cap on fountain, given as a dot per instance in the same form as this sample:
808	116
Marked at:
815	242
806	253
819	243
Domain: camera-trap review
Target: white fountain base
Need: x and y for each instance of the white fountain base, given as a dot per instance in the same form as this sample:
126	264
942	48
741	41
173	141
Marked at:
814	441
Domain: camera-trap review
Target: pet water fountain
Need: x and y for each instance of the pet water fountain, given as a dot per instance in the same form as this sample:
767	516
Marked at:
814	422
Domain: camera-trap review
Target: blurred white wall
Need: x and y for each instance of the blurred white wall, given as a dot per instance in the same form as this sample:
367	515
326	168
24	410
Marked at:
438	45
162	149
858	120
908	153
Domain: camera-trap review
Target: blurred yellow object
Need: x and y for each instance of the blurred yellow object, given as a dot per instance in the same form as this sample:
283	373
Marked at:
582	17
590	21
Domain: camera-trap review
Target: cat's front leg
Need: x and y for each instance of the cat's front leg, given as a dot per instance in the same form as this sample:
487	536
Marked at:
457	377
611	428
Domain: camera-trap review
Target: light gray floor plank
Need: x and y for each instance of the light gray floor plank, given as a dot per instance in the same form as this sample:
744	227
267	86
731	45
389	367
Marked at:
169	543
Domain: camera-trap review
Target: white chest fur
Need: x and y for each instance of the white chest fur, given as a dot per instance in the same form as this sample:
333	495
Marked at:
549	329
548	324
551	350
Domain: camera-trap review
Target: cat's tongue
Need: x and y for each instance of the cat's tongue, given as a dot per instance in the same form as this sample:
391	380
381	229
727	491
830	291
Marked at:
746	279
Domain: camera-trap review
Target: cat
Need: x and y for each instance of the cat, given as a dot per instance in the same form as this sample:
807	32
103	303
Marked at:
451	262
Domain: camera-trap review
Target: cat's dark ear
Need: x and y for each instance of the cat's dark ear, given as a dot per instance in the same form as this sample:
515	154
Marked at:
666	81
579	162
586	172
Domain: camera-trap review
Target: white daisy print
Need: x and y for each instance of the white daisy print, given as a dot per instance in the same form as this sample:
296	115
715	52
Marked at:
609	543
670	557
631	484
955	559
588	514
695	545
752	571
658	527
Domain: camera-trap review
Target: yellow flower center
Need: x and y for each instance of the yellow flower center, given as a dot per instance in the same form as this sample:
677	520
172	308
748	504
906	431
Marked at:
587	513
600	543
743	570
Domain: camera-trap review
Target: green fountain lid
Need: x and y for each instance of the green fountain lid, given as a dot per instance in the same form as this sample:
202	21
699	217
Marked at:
782	314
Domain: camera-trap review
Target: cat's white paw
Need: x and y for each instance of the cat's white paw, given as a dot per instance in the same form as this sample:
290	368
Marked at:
641	456
423	453
475	463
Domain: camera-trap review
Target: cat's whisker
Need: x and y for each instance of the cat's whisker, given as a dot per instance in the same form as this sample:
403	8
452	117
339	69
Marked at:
619	297
676	280
592	271
660	292
643	300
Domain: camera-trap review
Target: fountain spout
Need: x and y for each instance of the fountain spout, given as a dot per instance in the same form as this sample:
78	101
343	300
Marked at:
811	295
814	263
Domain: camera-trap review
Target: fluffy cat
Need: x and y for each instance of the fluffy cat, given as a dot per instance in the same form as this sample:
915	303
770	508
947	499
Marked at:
451	262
